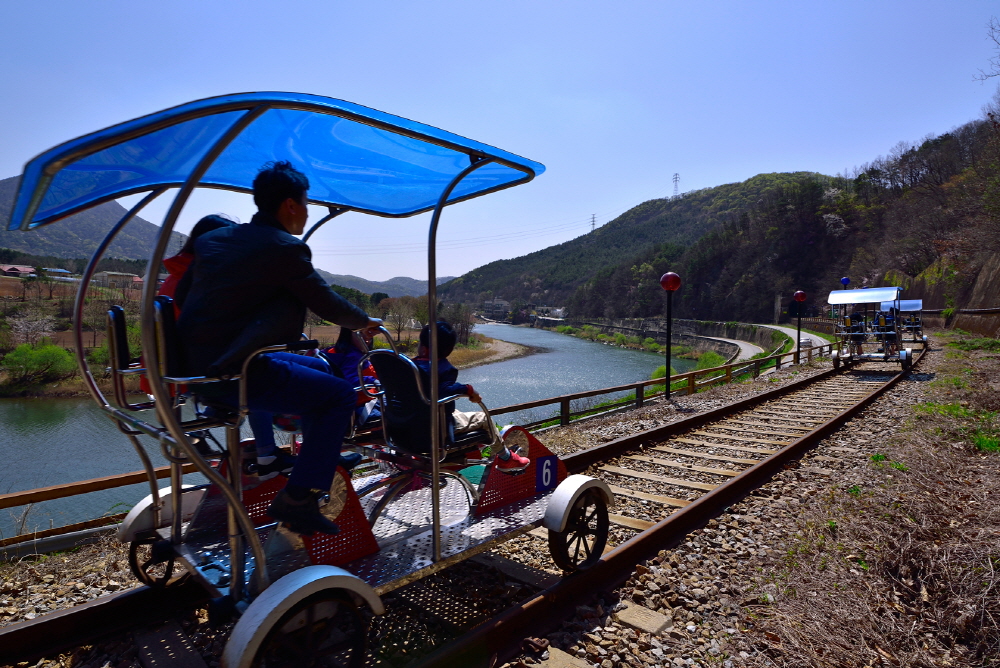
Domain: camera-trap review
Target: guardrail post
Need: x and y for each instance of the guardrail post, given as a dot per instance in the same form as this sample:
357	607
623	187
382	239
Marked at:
777	362
564	411
640	394
809	355
691	384
795	358
756	368
729	373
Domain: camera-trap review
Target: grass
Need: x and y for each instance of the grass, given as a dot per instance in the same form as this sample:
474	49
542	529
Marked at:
986	441
987	344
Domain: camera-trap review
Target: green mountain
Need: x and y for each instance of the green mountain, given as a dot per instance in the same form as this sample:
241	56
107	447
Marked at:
926	218
79	235
552	275
400	286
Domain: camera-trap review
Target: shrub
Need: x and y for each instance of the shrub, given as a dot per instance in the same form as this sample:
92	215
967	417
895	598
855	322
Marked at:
710	359
30	365
661	371
651	345
620	339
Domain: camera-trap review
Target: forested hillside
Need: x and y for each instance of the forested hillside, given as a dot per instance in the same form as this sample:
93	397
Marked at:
928	214
551	276
78	235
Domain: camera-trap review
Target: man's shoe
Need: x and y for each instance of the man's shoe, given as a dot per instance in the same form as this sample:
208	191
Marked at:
283	464
350	459
303	516
513	464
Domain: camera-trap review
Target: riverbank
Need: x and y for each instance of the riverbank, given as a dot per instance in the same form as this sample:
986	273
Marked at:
488	351
491	351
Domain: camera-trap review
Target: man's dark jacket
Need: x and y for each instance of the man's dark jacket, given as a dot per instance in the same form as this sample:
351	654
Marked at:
249	287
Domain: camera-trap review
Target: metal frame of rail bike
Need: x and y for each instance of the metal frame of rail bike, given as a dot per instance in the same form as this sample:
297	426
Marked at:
305	599
877	337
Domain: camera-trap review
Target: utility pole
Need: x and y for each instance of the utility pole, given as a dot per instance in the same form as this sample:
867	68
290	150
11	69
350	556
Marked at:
593	221
677	181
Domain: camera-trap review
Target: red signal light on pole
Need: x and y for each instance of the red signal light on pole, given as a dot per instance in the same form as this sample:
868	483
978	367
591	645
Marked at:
799	296
670	282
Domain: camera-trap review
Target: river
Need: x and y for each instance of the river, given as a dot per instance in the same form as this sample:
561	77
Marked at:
58	440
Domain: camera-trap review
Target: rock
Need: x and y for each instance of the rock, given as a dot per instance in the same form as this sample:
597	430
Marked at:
643	619
559	659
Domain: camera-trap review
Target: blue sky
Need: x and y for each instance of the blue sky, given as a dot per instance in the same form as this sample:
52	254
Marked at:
614	98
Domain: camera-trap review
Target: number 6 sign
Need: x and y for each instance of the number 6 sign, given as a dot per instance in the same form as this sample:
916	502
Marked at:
546	473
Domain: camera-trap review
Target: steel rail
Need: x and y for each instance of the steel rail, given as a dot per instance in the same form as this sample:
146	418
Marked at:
489	642
83	624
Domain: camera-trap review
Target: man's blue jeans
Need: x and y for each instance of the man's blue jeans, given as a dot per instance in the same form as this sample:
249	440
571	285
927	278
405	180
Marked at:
301	385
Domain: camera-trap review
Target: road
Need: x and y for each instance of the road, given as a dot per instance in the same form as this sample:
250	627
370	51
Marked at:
747	350
791	332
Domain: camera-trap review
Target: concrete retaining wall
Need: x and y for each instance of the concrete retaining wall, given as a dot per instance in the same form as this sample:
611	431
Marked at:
684	332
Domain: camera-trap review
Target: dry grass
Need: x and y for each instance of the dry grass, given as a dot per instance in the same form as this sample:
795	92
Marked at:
900	568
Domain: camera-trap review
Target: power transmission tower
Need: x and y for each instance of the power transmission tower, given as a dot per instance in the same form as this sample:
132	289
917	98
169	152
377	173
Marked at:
593	221
677	181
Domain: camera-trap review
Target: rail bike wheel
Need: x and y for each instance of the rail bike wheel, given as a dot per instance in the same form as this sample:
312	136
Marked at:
151	560
313	616
836	359
582	542
325	629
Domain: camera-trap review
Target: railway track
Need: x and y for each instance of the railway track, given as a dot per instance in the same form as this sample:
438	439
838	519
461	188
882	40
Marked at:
668	482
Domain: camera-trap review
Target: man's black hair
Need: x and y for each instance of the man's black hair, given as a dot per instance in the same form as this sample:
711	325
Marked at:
204	226
446	338
345	340
276	182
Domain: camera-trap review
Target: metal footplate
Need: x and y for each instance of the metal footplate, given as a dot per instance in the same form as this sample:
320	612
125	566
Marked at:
409	558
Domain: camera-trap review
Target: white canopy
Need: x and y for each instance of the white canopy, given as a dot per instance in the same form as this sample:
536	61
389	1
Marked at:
908	305
863	296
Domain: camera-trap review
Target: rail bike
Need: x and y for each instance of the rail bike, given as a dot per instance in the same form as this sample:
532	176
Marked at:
870	328
911	319
427	498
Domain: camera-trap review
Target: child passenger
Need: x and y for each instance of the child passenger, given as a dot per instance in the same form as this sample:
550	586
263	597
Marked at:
448	385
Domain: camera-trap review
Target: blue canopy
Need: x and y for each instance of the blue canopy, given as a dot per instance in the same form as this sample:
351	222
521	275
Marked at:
355	157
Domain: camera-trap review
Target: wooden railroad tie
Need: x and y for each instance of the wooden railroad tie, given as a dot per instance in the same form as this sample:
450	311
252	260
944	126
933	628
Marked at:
658	478
693	453
742	439
681	465
656	498
759	451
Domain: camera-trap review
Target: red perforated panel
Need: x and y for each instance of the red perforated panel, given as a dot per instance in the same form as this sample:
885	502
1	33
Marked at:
355	539
544	473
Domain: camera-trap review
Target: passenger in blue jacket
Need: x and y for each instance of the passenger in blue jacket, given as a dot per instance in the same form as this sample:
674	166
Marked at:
249	287
448	385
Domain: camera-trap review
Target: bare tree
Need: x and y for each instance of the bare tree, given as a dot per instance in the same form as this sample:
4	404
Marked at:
399	314
30	324
993	33
313	320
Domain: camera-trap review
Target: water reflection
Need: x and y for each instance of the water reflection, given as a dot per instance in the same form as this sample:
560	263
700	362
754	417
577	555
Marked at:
567	365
